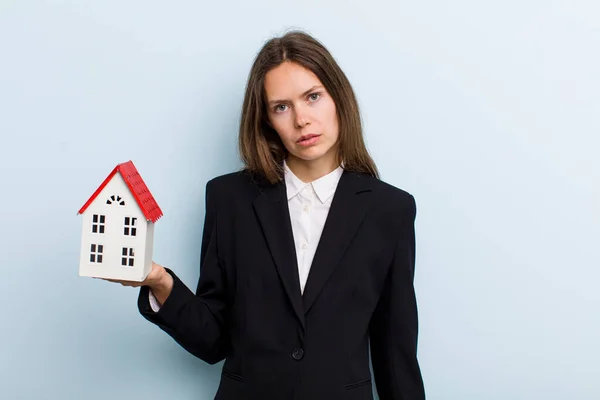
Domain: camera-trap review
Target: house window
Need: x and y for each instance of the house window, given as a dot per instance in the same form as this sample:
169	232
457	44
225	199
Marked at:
98	223
116	200
130	226
96	253
127	257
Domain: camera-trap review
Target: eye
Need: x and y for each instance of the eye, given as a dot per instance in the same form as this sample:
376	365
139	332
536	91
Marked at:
314	96
279	108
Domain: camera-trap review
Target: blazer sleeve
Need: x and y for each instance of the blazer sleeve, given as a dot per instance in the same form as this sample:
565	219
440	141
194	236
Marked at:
196	321
393	328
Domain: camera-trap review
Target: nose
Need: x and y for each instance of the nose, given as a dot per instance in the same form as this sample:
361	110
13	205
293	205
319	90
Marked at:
301	118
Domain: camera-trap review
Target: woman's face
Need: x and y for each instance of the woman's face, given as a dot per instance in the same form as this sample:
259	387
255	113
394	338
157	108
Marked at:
302	112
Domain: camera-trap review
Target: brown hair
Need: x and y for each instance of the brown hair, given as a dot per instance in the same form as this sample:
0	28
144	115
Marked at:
260	147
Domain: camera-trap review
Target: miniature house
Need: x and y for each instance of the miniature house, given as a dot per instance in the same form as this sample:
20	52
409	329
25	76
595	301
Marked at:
118	227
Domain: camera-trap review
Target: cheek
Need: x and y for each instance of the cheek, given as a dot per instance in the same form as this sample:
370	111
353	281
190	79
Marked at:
331	118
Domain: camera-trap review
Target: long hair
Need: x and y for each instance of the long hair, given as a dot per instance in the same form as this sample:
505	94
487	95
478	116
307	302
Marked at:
260	147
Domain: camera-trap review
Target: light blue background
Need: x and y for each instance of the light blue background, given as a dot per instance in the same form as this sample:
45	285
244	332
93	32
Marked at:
488	112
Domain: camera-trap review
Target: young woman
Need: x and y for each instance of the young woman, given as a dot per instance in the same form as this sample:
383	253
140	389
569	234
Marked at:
307	257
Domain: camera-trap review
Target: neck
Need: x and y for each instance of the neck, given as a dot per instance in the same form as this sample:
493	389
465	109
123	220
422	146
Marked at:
311	170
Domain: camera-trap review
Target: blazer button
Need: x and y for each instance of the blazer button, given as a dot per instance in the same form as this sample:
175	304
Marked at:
297	354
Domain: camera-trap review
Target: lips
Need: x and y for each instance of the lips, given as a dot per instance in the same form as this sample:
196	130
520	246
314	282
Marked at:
306	137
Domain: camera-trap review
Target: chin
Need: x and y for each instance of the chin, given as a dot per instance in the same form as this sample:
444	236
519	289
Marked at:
310	154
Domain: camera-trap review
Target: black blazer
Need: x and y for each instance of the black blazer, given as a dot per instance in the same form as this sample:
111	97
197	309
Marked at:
278	343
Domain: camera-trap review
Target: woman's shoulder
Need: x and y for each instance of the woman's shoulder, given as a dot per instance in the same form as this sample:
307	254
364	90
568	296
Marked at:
384	188
235	177
390	197
234	183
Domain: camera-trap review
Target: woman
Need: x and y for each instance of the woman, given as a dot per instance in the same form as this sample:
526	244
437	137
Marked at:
307	257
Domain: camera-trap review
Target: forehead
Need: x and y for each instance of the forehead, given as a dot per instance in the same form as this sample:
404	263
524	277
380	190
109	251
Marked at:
288	80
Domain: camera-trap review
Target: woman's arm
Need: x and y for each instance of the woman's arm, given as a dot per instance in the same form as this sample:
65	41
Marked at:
394	327
195	321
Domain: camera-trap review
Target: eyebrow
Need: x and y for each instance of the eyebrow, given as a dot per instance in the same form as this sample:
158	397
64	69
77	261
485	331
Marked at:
303	94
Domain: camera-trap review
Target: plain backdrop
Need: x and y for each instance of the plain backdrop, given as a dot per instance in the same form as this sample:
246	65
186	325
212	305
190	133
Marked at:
487	112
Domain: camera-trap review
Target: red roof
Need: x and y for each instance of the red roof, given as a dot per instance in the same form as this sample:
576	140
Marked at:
136	186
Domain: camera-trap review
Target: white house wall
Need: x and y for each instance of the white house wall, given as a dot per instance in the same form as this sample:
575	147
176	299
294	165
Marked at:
149	247
113	239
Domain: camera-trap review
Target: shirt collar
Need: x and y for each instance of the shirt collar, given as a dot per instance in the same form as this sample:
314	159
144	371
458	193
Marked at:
324	187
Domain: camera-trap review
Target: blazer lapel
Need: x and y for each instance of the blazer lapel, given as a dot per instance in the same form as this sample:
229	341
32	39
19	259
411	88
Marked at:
272	209
347	211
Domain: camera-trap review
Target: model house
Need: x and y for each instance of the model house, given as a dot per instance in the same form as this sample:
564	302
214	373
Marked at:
118	227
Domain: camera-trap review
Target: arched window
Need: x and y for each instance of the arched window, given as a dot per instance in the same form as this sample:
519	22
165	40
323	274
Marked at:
115	200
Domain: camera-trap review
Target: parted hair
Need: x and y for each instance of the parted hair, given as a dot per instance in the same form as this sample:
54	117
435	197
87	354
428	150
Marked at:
260	147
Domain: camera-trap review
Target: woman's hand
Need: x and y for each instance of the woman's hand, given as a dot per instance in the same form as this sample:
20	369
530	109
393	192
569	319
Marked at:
159	281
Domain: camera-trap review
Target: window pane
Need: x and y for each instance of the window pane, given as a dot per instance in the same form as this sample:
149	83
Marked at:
133	231
124	251
133	221
92	258
95	218
102	219
100	248
126	220
124	261
99	258
126	231
94	228
93	248
131	262
130	252
101	228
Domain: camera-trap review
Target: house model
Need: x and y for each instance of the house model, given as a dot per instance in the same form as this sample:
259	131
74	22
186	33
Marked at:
117	233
